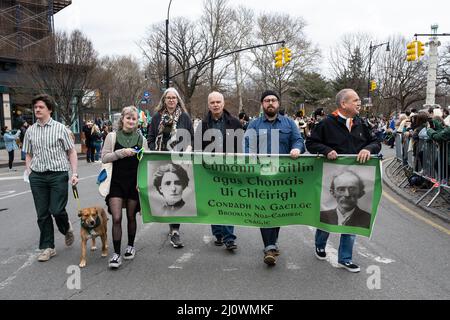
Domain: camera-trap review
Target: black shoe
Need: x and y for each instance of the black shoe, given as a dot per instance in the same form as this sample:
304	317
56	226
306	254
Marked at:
115	261
219	241
231	245
321	254
349	266
175	240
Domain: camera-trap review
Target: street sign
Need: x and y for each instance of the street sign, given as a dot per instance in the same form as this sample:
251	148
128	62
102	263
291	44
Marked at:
146	94
144	101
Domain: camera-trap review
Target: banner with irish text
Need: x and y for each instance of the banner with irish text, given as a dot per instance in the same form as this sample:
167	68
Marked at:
340	196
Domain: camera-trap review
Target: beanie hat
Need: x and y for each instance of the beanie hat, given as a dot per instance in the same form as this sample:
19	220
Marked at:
269	93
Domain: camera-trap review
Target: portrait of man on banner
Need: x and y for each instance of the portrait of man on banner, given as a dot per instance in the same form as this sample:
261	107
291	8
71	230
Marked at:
347	193
171	189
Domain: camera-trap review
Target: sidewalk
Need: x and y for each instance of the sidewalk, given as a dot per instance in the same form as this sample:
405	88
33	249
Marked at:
18	162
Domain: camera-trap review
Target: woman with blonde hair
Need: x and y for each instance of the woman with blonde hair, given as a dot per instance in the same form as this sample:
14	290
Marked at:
96	141
170	115
121	149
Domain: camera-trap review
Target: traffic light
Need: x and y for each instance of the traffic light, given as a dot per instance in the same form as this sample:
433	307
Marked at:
373	85
279	58
287	55
420	49
411	52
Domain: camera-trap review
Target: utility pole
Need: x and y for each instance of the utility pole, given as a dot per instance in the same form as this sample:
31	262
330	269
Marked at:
433	44
167	47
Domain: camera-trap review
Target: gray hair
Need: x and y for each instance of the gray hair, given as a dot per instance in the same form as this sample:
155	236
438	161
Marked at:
360	181
162	101
126	111
216	92
342	96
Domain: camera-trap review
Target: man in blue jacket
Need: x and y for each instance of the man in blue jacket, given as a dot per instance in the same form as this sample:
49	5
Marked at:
289	142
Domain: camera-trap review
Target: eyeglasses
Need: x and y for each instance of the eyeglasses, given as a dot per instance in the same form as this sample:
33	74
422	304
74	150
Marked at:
171	98
270	100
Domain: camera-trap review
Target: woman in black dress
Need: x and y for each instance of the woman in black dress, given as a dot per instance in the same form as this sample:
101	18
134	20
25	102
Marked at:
121	148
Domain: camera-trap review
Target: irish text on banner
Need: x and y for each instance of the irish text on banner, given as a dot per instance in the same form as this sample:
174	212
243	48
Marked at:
340	196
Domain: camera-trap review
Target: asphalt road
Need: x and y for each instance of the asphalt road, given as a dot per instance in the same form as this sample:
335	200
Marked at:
408	250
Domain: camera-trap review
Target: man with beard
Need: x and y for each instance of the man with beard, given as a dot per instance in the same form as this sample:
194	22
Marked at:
289	142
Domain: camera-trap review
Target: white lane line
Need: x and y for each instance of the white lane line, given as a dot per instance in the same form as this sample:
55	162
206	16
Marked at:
230	269
292	266
207	239
31	258
6	193
29	191
365	253
182	260
11	178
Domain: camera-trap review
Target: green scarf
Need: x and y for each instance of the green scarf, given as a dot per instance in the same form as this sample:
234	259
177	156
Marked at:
127	139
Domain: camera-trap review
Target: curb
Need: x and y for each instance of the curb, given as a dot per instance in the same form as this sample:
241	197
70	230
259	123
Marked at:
387	181
22	163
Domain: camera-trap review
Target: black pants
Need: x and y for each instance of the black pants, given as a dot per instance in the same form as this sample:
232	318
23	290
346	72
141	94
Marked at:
50	199
10	158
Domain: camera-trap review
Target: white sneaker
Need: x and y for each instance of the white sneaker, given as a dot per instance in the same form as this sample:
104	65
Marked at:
129	253
115	261
46	255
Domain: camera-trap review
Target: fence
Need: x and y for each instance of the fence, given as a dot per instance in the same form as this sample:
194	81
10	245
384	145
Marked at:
423	158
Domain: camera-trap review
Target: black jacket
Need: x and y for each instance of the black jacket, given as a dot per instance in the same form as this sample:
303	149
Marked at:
230	123
184	122
330	134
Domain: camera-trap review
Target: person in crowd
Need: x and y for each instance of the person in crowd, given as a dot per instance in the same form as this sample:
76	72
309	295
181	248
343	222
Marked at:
218	118
23	129
90	151
342	132
50	154
291	143
11	146
170	116
123	191
244	120
96	141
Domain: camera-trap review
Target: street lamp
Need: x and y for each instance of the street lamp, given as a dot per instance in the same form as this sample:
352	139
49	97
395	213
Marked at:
167	46
372	49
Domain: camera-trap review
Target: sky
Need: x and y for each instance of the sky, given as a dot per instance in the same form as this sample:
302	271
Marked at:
116	26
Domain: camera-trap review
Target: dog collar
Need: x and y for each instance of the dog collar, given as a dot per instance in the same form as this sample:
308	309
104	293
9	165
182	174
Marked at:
89	228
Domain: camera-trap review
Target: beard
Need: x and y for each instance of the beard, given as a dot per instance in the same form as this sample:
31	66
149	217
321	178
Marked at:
272	112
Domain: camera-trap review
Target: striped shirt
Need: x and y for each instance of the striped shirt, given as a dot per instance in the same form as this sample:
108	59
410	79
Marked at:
48	145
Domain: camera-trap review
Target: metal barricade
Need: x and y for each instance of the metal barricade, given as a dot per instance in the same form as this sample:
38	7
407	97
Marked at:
398	151
435	168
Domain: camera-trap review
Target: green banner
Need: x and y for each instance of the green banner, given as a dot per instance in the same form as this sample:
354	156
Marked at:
340	196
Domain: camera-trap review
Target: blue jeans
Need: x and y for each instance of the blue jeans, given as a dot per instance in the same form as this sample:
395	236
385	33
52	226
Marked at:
224	232
345	246
97	145
270	238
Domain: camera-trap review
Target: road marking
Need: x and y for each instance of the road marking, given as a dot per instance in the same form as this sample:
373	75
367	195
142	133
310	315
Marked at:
11	178
207	239
292	266
365	253
181	260
6	193
31	258
29	191
417	216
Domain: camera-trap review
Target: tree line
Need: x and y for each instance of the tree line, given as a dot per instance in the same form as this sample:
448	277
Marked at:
69	68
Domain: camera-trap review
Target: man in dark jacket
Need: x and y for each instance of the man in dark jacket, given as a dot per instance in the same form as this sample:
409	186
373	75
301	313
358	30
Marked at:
221	120
342	132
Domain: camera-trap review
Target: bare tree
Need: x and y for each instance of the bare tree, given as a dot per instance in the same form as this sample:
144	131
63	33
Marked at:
64	69
401	83
216	23
277	27
188	51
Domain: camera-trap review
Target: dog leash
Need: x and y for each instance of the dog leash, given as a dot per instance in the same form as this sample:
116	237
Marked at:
75	195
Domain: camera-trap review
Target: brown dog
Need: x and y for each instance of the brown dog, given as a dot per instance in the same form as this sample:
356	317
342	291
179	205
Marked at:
93	224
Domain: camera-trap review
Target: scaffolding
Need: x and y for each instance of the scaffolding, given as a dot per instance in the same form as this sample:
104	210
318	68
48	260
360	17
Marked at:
25	23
